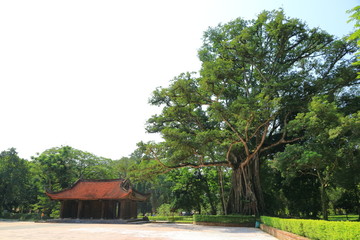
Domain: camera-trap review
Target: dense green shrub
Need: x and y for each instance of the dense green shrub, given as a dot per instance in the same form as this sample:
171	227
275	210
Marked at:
21	216
350	217
165	210
183	219
55	213
316	229
237	219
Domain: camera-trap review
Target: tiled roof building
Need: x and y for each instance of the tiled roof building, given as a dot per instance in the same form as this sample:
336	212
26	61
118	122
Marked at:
99	199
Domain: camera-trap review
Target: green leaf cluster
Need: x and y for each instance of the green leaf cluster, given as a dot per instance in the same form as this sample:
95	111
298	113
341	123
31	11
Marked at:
17	189
316	229
60	167
237	219
178	219
263	83
355	36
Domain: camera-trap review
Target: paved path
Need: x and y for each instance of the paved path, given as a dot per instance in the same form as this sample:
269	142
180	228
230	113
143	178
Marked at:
59	231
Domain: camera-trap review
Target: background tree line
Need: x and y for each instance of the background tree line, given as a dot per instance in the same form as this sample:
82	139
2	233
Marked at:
270	124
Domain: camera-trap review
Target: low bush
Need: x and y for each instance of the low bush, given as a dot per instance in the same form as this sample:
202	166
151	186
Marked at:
179	219
235	219
164	210
350	217
316	229
21	216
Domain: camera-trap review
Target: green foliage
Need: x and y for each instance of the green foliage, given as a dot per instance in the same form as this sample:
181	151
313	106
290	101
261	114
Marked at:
55	213
60	167
256	77
303	201
355	36
17	190
350	217
316	229
328	151
191	189
237	219
349	201
165	210
272	182
21	216
178	219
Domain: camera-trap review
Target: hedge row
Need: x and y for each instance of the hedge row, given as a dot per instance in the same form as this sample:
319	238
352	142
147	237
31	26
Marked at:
316	229
21	216
172	218
236	219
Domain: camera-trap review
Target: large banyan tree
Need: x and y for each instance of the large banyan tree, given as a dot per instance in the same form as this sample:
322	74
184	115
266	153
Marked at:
255	77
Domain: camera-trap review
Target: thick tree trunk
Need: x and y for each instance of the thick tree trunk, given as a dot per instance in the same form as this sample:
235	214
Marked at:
324	202
246	195
323	197
257	184
221	190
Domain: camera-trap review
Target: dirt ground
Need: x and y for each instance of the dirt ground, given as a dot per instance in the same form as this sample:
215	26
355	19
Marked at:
57	231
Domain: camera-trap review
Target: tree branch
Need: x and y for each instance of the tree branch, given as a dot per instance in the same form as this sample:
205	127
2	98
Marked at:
248	123
238	135
229	152
263	124
251	156
281	141
182	165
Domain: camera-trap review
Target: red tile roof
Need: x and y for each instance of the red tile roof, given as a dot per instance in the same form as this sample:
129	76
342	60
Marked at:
98	189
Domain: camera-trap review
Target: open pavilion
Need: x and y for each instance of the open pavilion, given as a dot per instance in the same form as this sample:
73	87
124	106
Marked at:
99	199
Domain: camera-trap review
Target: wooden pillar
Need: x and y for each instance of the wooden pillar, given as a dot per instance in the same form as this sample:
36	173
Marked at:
62	205
102	209
113	209
79	210
130	206
133	209
109	209
123	210
119	212
129	209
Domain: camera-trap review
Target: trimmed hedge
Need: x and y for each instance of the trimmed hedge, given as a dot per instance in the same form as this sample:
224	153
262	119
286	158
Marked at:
235	219
183	219
231	219
350	217
316	229
21	216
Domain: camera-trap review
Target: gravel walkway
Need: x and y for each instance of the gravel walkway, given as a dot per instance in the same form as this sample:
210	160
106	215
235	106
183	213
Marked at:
59	231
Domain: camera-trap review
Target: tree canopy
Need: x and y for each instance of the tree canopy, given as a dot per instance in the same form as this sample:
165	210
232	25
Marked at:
256	76
16	189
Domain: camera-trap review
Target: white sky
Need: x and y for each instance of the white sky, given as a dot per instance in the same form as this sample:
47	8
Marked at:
80	73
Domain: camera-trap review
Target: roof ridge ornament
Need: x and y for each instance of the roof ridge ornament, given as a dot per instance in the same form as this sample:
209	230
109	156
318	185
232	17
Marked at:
125	185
